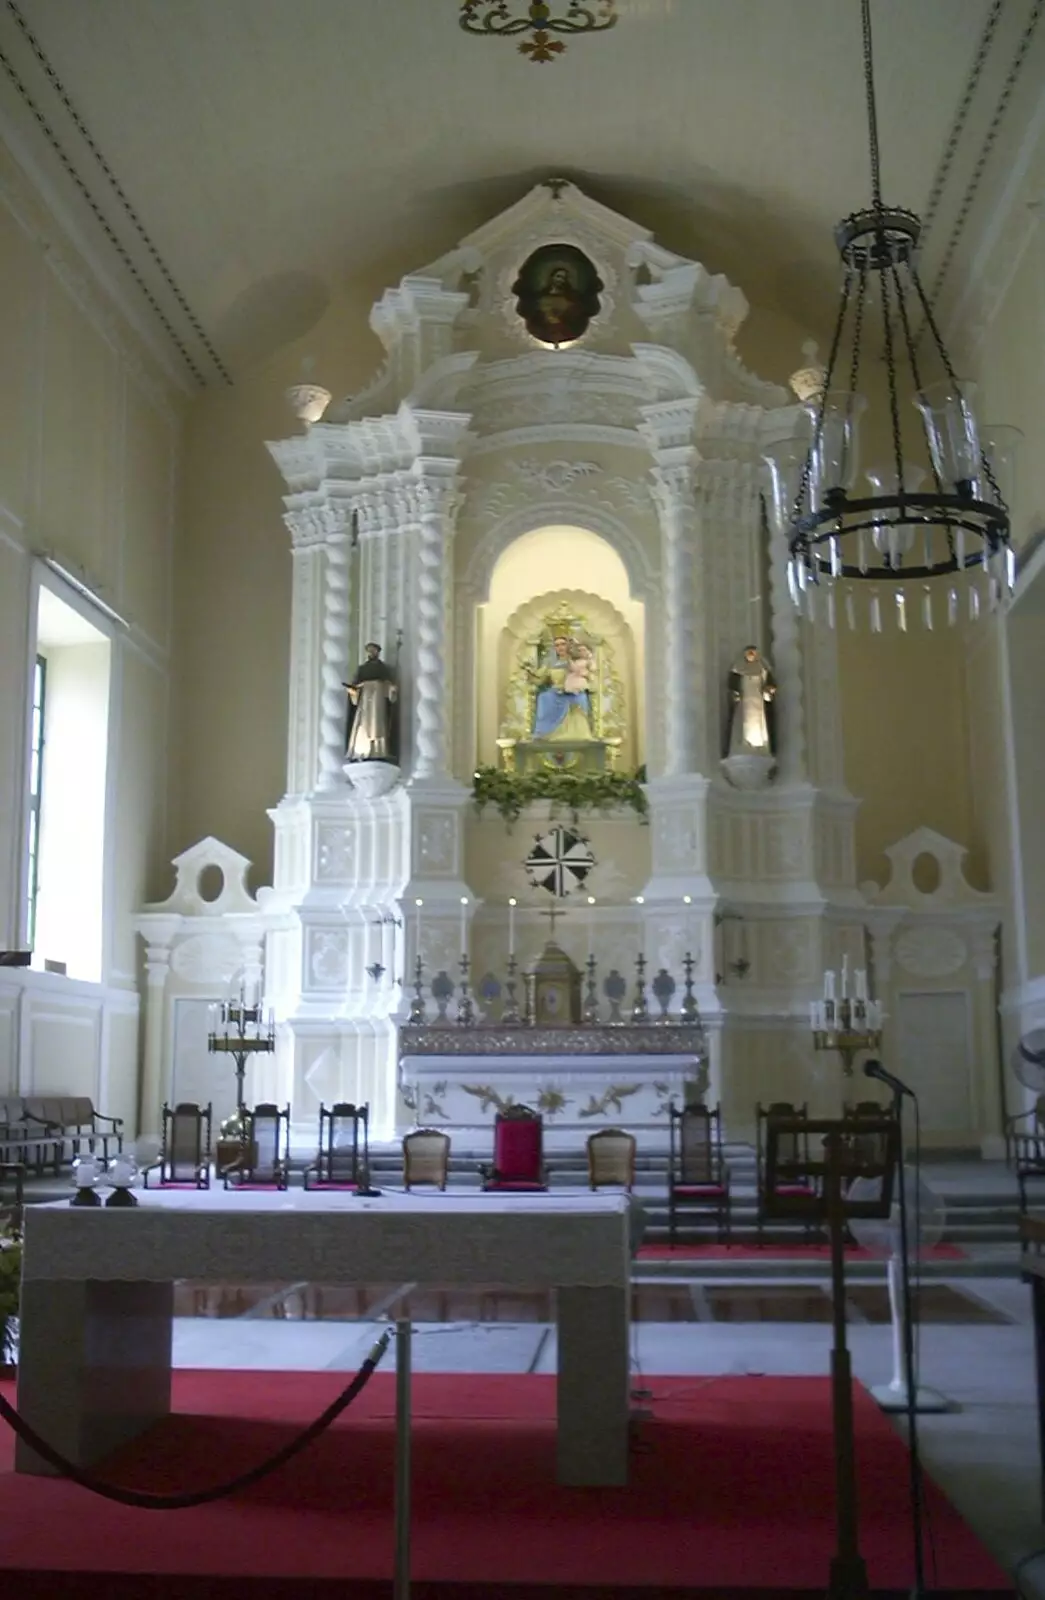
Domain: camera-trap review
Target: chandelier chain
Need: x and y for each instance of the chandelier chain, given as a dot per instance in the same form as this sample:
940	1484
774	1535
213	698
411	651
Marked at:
872	110
973	186
961	115
818	421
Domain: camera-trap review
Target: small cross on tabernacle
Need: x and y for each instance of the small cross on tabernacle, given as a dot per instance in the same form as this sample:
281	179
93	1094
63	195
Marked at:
551	914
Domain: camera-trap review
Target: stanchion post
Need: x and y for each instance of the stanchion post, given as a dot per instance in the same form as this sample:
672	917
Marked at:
401	1580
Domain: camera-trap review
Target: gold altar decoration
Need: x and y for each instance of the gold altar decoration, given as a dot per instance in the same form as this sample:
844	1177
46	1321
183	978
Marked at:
567	655
553	989
539	21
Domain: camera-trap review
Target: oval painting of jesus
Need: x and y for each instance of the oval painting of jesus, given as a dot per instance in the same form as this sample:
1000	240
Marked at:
557	293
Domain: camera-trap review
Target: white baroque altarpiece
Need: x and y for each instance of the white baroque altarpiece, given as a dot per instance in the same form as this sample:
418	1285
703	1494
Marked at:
485	487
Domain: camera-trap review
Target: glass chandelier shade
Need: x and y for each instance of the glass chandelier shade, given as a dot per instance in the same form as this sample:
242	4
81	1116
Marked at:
933	507
539	21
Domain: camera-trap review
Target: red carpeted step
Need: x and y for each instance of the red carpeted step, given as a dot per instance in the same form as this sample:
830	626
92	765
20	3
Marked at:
732	1488
779	1252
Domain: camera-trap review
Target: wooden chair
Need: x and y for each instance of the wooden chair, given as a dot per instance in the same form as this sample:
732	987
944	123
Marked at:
344	1147
265	1162
185	1143
1025	1124
426	1157
518	1153
792	1146
12	1194
698	1178
611	1158
1028	1157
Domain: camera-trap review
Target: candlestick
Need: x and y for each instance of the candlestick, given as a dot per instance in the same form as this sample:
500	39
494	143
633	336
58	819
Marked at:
464	924
465	1009
591	998
418	1008
829	985
510	1015
689	1010
591	927
511	926
861	983
845	977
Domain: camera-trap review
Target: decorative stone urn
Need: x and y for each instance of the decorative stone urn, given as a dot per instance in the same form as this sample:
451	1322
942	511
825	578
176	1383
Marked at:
749	771
372	778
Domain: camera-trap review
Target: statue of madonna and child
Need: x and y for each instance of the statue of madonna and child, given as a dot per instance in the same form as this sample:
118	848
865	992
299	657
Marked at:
563	680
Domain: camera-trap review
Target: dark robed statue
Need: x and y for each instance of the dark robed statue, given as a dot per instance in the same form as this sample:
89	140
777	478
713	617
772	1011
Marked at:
371	710
752	693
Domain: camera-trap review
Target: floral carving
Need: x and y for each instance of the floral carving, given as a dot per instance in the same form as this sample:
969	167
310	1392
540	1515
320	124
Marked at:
611	1099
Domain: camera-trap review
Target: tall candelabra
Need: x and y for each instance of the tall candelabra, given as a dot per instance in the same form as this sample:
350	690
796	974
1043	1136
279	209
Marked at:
240	1029
843	1022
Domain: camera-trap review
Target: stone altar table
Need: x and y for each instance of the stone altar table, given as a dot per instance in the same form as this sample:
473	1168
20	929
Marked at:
97	1296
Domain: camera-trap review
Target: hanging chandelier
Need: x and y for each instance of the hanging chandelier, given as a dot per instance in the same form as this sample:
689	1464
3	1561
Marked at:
501	20
927	525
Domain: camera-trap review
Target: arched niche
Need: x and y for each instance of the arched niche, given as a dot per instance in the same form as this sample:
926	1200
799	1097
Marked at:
534	575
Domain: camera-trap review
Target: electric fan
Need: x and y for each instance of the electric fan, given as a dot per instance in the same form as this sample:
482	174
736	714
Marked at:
926	1218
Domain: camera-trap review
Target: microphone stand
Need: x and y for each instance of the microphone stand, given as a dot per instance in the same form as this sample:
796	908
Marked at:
914	1459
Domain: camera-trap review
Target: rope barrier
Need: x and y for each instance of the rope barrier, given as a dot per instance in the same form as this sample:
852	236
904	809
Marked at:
198	1497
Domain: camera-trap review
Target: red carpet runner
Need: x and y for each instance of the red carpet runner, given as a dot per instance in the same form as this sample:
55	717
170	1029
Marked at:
800	1251
731	1490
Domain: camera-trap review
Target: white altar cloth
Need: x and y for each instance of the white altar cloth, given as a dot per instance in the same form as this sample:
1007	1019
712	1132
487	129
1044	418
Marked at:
98	1294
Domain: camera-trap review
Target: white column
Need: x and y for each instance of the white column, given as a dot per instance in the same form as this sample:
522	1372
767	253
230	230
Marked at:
157	966
435	503
668	429
787	668
332	711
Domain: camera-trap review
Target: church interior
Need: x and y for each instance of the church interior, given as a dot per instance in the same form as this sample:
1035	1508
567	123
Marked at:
522	839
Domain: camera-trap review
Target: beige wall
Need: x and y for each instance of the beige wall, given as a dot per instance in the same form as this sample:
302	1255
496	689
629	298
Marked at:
88	451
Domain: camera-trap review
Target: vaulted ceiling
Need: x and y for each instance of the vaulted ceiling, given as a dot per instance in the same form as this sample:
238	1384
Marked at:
231	163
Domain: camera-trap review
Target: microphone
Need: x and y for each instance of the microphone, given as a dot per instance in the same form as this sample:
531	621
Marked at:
874	1069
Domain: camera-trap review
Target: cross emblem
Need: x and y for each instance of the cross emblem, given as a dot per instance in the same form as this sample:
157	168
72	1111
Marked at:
560	861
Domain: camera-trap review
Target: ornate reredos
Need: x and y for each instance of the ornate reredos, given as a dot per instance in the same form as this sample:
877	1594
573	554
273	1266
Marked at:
585	620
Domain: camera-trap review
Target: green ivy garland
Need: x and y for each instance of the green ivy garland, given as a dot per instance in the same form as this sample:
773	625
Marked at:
511	792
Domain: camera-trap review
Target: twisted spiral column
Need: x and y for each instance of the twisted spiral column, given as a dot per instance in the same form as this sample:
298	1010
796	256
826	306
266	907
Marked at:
332	709
787	665
683	709
430	688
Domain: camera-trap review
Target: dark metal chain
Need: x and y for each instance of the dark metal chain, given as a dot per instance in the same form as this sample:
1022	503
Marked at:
961	116
99	216
991	135
63	96
872	112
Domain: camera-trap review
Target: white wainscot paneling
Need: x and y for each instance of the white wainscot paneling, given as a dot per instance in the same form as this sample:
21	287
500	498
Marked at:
64	1048
933	1035
197	1076
8	1042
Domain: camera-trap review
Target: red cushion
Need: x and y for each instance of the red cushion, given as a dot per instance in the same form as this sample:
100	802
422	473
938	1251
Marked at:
699	1188
177	1185
795	1188
517	1185
517	1150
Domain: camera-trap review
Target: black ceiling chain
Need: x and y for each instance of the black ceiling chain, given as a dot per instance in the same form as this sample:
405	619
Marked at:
972	189
872	110
63	96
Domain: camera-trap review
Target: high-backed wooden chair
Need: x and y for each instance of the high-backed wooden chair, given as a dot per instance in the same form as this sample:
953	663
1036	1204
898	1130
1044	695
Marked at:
12	1193
518	1153
792	1145
265	1163
344	1147
611	1159
426	1157
698	1178
1023	1125
185	1141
